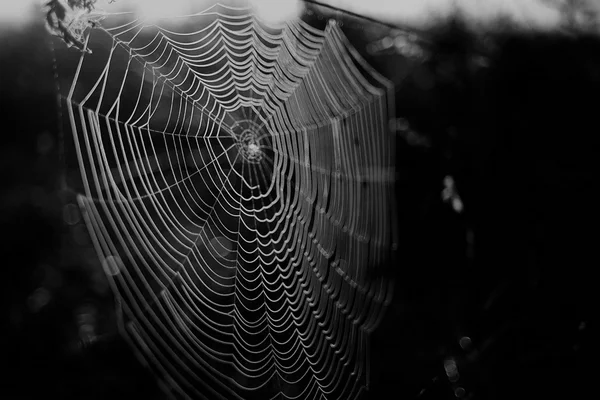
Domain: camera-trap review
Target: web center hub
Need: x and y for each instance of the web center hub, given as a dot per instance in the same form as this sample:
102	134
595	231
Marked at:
250	147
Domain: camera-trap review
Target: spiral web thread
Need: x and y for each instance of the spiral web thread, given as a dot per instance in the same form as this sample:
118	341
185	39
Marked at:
236	186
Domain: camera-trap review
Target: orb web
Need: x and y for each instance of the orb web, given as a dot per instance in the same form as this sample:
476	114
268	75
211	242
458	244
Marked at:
240	173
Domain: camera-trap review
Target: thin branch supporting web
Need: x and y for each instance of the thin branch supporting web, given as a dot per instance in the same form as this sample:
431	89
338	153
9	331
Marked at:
236	185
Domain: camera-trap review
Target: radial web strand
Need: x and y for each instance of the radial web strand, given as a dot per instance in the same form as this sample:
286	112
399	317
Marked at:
235	178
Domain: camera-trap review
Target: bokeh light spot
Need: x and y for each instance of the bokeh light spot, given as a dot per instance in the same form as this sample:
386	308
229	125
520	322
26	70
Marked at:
39	299
457	205
112	265
465	342
451	369
459	392
71	214
221	245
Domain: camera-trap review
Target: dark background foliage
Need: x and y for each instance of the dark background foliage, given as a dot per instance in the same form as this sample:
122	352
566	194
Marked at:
513	272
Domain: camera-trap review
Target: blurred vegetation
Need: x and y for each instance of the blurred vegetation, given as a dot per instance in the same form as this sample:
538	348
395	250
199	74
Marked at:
60	340
511	117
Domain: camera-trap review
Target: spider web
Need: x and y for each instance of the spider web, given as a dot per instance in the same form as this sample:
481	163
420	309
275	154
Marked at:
235	184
